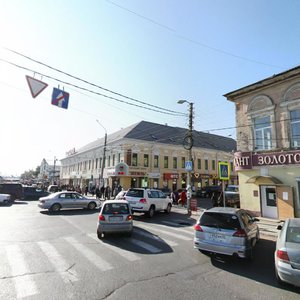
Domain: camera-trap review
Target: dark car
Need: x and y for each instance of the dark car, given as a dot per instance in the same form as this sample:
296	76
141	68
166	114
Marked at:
208	191
15	190
33	193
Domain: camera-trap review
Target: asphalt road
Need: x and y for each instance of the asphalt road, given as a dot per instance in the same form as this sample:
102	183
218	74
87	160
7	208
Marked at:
58	256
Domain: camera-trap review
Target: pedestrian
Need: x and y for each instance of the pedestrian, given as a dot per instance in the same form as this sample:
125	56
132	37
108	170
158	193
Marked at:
182	198
107	193
86	190
102	190
97	191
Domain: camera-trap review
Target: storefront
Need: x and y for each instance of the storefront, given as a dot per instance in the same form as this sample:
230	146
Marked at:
269	183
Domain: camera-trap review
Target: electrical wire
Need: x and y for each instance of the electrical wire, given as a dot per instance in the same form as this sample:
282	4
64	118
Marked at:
163	111
92	84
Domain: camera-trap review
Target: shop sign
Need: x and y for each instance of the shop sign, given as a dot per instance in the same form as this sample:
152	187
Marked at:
172	176
134	173
248	160
121	169
154	175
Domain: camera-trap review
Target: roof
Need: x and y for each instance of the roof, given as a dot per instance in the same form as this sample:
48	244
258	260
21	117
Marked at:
276	78
158	133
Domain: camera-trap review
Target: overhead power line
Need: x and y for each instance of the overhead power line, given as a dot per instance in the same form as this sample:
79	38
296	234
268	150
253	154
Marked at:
162	110
93	84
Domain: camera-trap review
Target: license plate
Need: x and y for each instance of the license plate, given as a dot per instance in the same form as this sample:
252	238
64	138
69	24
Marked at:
115	219
217	237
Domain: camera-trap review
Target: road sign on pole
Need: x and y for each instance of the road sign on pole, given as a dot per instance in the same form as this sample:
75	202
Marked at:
189	165
35	86
224	171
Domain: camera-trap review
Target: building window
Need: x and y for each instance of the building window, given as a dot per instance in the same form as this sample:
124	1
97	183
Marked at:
166	162
156	160
146	160
119	157
213	166
134	159
114	160
108	161
183	162
262	133
199	163
206	164
174	162
295	128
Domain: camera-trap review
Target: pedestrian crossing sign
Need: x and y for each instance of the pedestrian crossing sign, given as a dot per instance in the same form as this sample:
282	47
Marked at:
224	171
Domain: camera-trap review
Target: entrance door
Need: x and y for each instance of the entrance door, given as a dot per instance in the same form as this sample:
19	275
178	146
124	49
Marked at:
268	202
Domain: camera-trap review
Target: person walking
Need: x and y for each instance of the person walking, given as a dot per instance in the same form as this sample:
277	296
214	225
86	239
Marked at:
182	198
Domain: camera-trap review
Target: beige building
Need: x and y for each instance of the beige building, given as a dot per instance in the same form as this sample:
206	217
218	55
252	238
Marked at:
148	155
268	144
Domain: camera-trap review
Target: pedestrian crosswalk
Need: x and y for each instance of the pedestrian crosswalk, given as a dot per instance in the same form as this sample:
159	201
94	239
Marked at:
59	257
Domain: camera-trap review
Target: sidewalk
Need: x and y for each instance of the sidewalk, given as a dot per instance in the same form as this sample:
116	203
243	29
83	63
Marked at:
267	227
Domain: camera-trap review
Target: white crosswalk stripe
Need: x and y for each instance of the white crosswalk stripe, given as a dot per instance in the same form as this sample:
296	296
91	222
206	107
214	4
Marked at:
58	262
24	284
151	235
124	253
95	259
173	234
146	246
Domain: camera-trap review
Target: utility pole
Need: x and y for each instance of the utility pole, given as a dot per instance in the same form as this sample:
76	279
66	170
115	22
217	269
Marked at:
188	145
101	181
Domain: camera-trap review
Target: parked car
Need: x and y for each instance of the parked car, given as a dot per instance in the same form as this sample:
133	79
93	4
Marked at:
33	193
232	196
56	201
115	216
53	188
287	253
15	190
4	198
121	195
148	201
226	230
207	191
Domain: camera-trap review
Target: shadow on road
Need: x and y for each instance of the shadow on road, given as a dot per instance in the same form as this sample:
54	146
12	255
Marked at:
70	212
261	269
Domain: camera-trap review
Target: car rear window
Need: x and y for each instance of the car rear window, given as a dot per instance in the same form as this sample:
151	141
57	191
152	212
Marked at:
220	220
293	235
135	193
116	208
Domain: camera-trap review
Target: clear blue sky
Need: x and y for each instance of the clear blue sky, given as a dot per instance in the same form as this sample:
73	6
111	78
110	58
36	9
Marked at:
155	51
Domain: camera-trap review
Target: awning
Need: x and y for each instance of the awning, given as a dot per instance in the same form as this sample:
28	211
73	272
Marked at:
264	180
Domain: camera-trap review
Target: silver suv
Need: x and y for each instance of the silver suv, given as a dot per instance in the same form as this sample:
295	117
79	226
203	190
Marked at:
228	231
148	201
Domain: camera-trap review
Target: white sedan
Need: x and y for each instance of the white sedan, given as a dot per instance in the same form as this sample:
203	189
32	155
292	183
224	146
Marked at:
60	200
4	198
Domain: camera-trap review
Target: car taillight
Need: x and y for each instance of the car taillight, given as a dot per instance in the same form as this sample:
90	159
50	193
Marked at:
282	255
129	217
143	200
101	218
197	227
240	233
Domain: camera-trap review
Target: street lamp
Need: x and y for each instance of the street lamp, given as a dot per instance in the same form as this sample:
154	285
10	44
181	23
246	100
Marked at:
188	144
104	152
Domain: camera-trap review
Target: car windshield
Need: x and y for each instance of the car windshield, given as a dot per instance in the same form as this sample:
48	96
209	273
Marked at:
220	220
232	189
135	193
116	208
293	235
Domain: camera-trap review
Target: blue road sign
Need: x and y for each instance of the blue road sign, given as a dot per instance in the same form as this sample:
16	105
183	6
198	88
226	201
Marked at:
188	165
224	171
60	98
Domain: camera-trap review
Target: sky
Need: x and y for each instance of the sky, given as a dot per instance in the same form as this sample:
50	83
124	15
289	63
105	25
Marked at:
155	52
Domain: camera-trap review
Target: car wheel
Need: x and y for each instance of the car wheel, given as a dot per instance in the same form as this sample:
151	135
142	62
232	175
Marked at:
99	235
168	209
151	211
92	205
55	207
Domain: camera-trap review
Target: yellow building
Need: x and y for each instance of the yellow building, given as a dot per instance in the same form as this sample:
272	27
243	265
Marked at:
148	155
268	145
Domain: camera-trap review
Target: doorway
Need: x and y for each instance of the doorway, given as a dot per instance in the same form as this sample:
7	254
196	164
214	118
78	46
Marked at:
268	202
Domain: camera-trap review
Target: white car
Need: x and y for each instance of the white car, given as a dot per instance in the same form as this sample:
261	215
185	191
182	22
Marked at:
4	198
148	201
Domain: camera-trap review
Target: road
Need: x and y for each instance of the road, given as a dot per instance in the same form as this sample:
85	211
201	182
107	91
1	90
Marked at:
58	256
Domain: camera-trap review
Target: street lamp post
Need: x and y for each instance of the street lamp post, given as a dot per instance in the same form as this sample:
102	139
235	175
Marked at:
188	144
104	157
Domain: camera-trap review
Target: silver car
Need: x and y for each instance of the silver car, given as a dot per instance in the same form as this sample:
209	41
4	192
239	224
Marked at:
228	231
115	216
287	253
56	201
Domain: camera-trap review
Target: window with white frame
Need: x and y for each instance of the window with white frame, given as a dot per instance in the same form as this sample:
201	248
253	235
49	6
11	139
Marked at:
295	128
262	133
